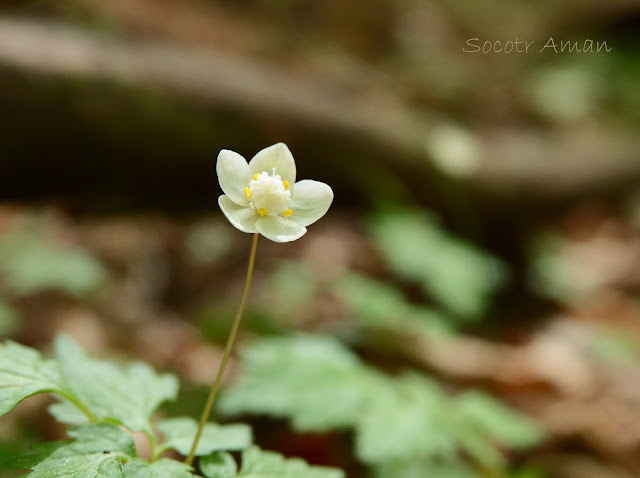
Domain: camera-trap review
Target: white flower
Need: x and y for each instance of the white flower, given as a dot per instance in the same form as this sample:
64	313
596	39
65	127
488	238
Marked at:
263	196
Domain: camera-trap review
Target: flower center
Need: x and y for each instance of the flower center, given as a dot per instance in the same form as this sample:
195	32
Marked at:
268	194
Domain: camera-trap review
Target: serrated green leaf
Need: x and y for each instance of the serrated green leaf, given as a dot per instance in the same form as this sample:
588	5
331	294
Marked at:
313	380
395	420
100	437
458	275
180	432
265	464
496	421
405	420
23	373
218	465
65	412
38	453
95	452
128	395
163	468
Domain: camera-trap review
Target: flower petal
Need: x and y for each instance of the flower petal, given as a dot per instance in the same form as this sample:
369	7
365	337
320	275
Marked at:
277	156
310	200
241	217
279	229
234	175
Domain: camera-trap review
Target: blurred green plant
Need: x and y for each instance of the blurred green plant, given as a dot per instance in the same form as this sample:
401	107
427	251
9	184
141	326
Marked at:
8	318
207	242
106	402
456	274
557	273
375	304
30	264
404	427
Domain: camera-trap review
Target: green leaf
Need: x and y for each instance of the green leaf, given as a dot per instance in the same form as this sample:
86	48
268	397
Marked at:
480	448
424	469
312	380
95	451
180	432
497	421
265	464
458	275
404	420
320	385
128	395
163	468
65	412
218	465
29	264
23	373
555	273
376	304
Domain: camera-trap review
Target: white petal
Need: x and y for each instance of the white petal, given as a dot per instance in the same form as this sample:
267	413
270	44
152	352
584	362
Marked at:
279	229
310	200
241	217
234	175
277	156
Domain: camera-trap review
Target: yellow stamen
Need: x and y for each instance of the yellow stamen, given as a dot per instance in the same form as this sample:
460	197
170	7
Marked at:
262	211
255	176
247	193
285	184
287	213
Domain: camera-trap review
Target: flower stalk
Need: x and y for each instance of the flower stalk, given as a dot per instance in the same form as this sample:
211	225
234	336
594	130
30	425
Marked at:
227	351
262	197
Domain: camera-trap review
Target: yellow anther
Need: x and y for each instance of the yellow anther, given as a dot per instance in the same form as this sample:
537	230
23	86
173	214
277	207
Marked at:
247	193
287	213
285	184
255	176
262	211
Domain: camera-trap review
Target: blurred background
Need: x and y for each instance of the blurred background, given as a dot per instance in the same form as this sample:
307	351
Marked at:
481	258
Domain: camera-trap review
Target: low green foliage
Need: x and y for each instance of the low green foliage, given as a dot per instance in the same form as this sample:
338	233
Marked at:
424	469
261	464
96	450
25	373
179	432
378	305
30	264
315	381
218	465
553	273
107	402
105	390
398	422
457	275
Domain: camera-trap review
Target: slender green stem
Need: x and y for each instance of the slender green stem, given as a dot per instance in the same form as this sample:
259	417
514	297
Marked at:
227	351
153	444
